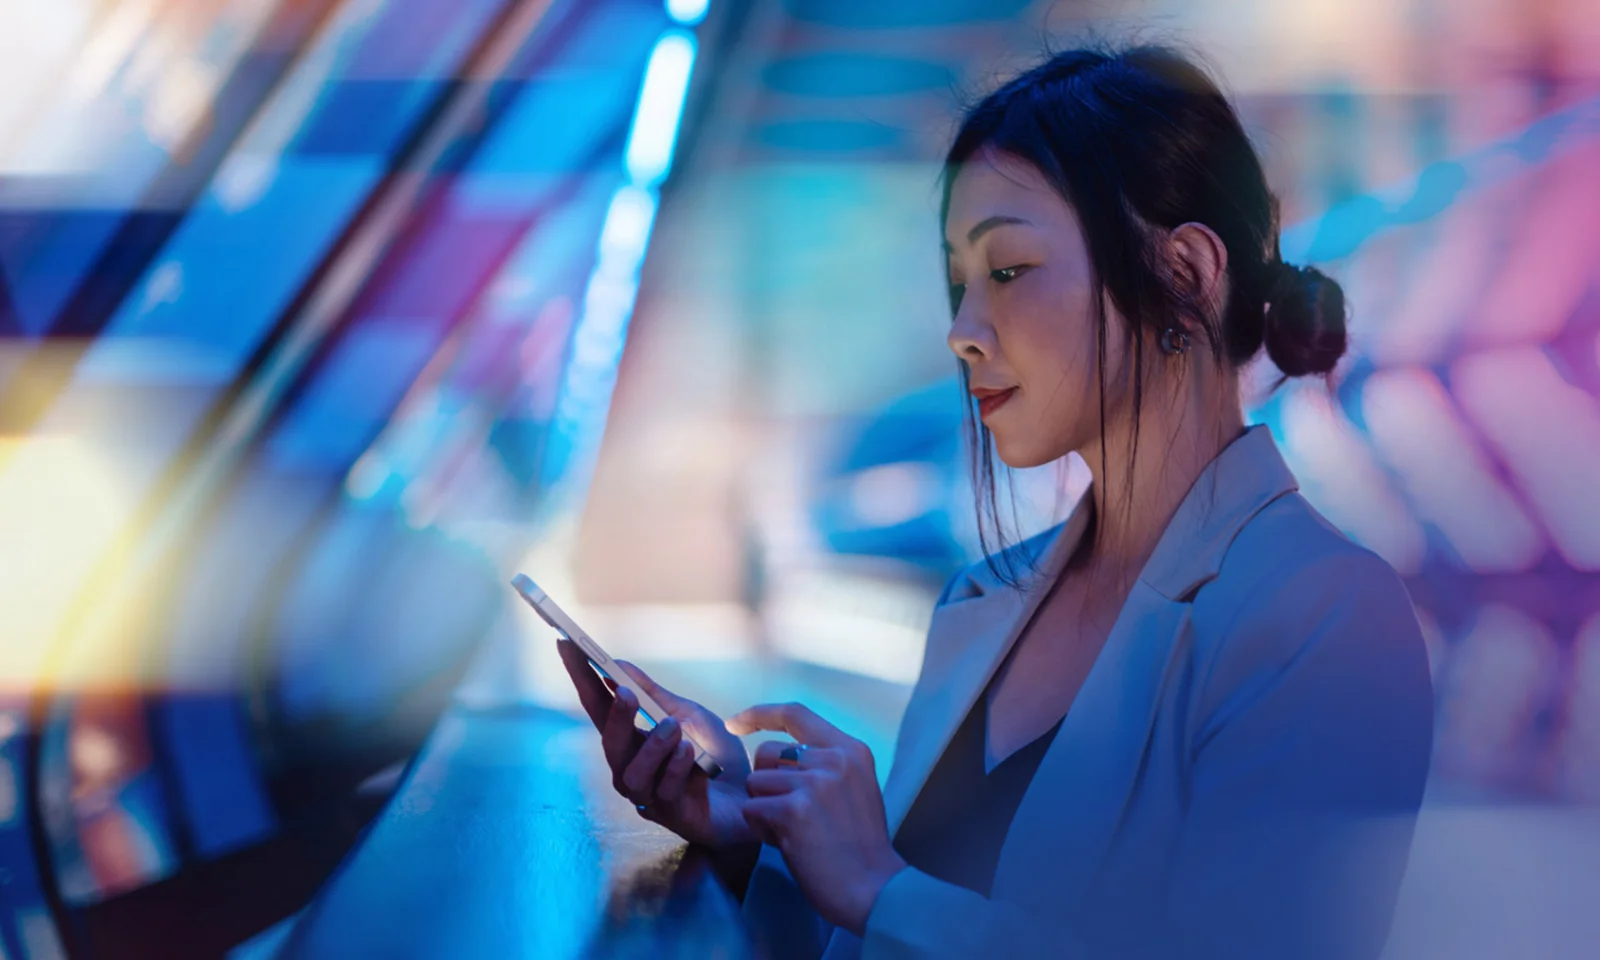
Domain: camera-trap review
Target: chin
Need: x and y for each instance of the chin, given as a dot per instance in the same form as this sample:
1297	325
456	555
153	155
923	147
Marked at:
1021	456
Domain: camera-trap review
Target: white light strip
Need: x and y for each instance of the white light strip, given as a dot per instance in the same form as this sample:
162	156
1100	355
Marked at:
688	12
608	301
660	109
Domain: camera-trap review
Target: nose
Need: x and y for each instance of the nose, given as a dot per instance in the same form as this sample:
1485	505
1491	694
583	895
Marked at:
971	338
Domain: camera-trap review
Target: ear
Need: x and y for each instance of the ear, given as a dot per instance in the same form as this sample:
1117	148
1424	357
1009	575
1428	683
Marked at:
1199	259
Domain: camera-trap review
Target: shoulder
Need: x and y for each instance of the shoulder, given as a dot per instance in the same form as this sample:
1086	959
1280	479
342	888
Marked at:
1289	560
978	578
1295	595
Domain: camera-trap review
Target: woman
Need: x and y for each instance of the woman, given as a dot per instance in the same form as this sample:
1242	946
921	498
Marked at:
1193	720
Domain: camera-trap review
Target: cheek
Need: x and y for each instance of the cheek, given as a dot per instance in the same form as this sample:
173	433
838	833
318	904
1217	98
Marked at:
1054	354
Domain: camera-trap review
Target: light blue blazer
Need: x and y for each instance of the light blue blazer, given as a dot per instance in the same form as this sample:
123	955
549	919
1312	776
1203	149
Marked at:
1238	776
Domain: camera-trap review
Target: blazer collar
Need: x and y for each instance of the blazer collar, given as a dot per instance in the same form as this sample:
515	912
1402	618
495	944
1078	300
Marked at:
1247	475
977	625
969	637
1092	766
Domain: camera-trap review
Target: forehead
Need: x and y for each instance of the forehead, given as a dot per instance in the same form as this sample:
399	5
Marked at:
995	184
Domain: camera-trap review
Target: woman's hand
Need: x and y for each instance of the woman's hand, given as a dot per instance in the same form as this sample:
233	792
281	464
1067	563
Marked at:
656	771
824	810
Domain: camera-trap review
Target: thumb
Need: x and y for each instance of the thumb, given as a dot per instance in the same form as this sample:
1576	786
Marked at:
669	701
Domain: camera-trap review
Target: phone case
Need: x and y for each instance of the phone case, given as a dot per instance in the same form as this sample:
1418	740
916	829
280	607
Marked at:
558	620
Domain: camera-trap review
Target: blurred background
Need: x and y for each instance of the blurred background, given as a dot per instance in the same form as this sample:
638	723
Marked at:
319	319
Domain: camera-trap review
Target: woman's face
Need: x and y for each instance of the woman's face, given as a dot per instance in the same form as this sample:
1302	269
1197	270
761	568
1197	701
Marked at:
1024	325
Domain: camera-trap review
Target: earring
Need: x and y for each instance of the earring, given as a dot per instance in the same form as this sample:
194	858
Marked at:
1174	341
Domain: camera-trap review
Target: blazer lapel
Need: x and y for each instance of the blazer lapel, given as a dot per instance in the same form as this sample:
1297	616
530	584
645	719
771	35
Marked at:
1084	781
986	624
978	631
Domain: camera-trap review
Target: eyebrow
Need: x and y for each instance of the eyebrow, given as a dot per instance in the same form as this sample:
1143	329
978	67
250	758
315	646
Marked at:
999	220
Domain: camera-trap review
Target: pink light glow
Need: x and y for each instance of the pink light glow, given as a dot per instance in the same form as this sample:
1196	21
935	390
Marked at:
1415	428
1463	249
1550	257
1341	477
1548	433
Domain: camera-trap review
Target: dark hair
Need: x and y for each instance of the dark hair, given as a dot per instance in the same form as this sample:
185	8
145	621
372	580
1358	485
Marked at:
1139	141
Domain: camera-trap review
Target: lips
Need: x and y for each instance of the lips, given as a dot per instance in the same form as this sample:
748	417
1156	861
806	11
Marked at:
991	400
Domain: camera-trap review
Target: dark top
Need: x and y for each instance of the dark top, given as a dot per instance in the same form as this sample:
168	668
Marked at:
959	821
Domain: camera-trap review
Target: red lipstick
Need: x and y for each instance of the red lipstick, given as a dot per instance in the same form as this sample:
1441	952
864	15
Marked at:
991	400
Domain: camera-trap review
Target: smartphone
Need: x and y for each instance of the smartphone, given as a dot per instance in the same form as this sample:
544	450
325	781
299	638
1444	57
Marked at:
602	662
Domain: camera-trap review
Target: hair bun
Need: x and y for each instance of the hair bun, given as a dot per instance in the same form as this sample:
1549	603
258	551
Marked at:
1305	326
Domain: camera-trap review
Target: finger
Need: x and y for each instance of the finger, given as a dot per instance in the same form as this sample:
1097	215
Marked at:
645	768
592	692
675	779
670	702
768	754
810	758
797	720
769	817
618	735
782	754
774	783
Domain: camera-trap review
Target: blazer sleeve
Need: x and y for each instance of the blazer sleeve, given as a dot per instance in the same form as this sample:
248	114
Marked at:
1311	734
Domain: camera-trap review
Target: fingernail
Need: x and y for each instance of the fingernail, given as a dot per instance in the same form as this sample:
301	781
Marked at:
667	727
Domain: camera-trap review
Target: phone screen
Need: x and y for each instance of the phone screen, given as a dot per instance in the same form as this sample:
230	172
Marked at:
601	662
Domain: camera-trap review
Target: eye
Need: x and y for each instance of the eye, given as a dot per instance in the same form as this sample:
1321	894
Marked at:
957	292
1006	274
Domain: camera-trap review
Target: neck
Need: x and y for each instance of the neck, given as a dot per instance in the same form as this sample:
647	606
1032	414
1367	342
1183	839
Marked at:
1176	442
